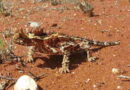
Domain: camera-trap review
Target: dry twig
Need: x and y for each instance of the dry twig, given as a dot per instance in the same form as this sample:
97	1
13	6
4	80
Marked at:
36	77
124	77
7	78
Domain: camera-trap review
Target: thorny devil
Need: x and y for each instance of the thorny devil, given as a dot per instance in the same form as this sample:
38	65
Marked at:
55	44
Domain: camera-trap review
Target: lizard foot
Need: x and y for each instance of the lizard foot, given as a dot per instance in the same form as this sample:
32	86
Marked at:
91	59
64	70
30	59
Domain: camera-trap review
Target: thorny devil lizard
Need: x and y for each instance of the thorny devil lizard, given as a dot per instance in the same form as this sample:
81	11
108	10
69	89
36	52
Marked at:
55	44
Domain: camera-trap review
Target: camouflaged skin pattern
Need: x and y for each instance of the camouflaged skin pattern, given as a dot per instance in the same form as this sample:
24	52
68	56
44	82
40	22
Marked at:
38	40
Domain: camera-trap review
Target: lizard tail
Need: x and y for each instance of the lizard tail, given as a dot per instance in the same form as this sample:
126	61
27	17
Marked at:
98	43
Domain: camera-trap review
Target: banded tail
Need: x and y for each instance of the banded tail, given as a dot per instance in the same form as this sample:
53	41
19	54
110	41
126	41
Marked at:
98	43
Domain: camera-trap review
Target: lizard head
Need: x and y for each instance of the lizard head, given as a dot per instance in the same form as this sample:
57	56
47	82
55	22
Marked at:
16	35
19	36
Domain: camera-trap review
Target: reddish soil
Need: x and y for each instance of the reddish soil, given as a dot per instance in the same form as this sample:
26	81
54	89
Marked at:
110	23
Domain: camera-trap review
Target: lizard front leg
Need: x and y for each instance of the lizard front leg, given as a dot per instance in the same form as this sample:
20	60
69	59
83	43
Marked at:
31	50
65	63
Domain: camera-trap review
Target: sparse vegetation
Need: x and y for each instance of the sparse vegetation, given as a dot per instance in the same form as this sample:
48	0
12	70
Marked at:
86	8
7	51
3	10
55	2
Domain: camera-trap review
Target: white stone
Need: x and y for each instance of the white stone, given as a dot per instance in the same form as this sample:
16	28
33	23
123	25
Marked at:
116	71
25	82
119	87
34	24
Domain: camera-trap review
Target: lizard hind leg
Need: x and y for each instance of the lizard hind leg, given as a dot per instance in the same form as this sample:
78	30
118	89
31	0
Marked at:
65	63
90	58
85	46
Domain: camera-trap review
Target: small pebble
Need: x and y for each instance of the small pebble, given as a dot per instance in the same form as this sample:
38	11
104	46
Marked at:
99	22
98	85
119	88
114	55
73	72
128	65
25	82
116	71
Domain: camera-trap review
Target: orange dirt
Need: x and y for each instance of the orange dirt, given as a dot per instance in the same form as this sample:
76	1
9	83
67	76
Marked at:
111	23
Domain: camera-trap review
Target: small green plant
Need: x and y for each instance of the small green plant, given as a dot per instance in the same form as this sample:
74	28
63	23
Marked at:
2	44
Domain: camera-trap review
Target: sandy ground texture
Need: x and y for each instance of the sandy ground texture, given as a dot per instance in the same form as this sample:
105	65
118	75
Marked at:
111	22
